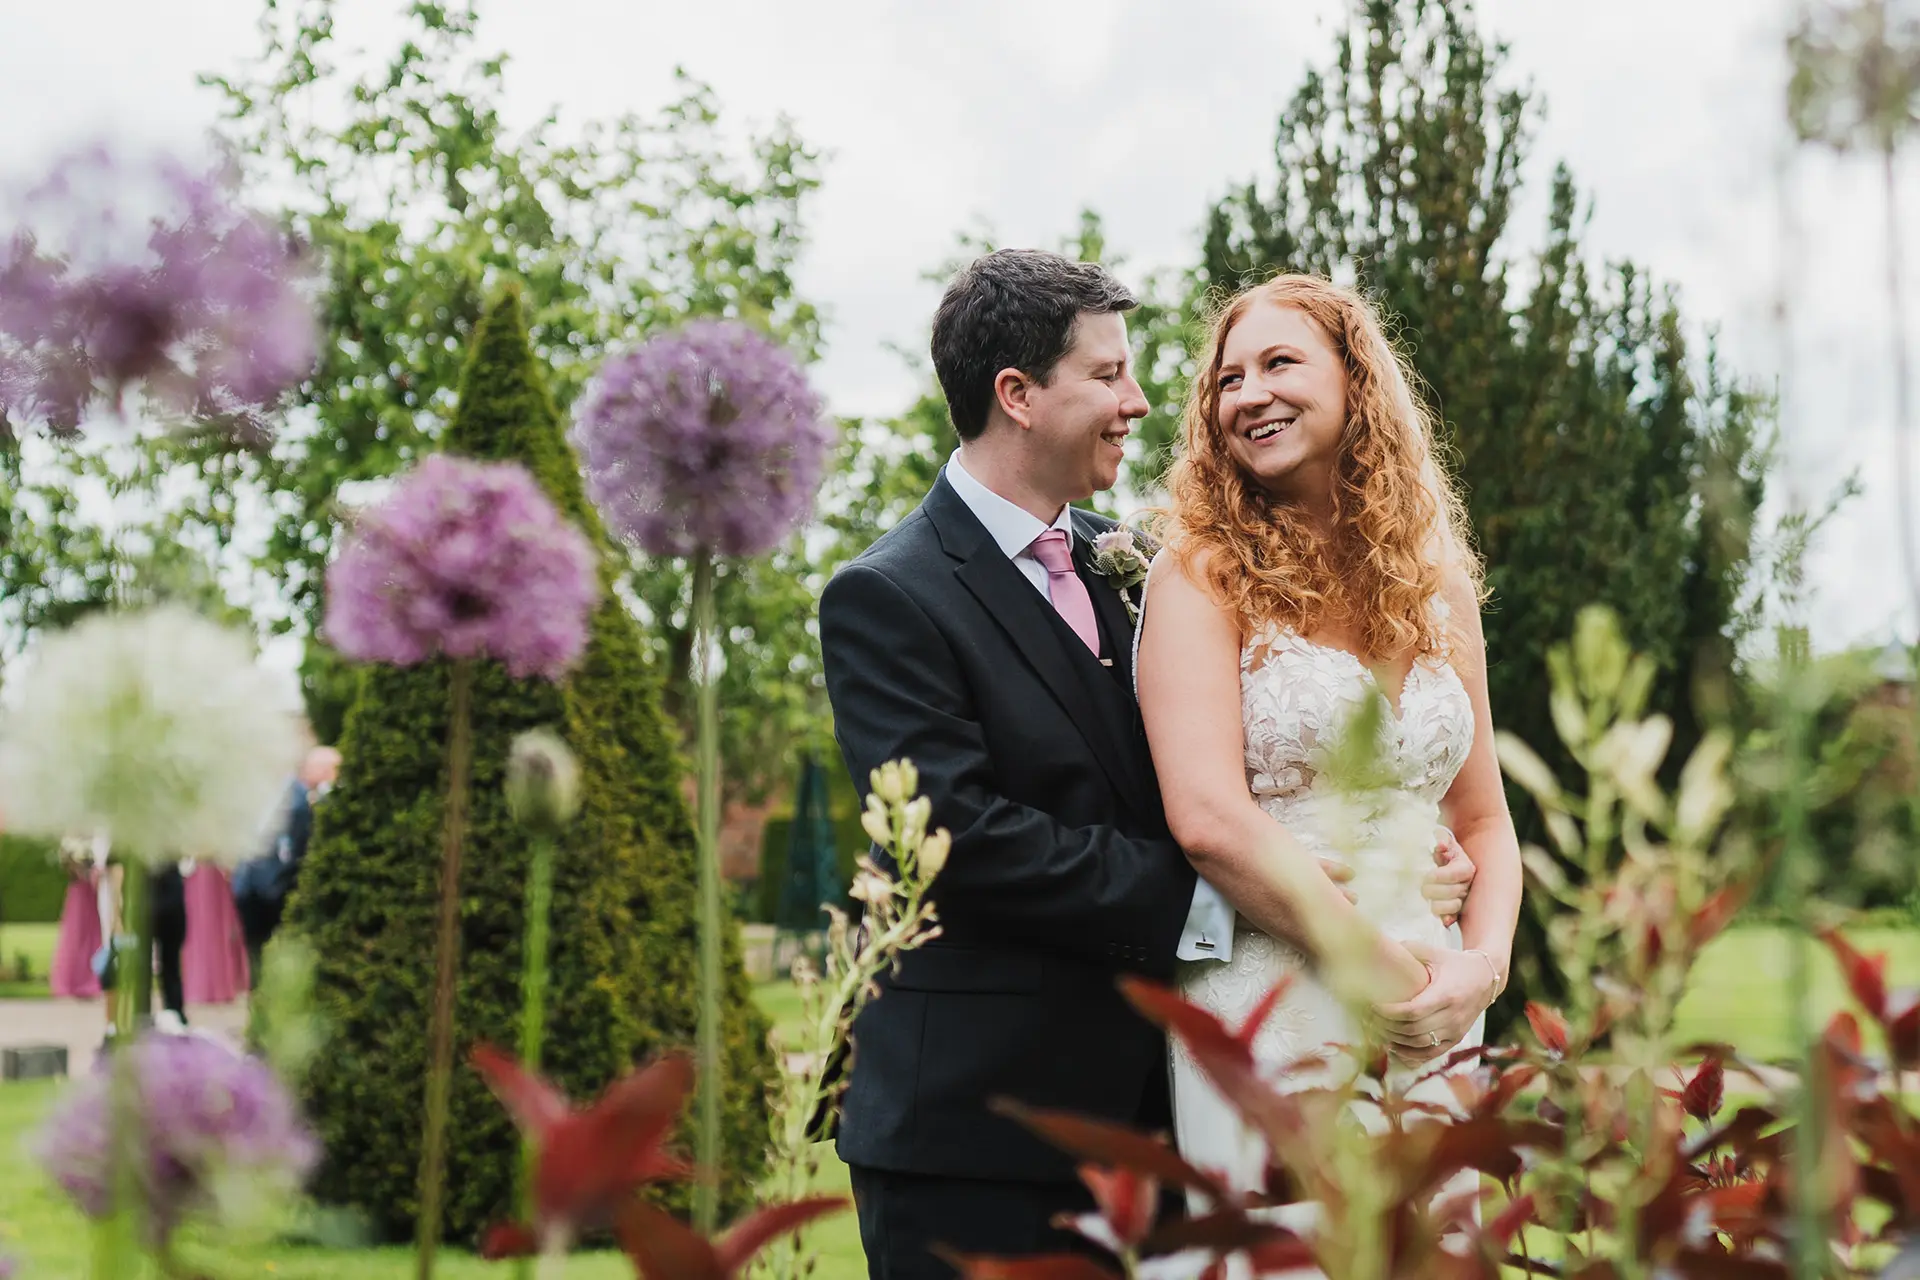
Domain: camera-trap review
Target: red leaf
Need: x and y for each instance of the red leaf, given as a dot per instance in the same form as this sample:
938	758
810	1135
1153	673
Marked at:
1226	1061
1196	1028
508	1240
1866	975
1505	1089
1111	1145
1225	1231
1903	1029
1549	1028
1706	1091
1714	915
535	1105
1282	1253
1053	1266
1486	1143
1127	1200
751	1234
1747	1124
663	1248
591	1163
1517	1214
1250	1029
1698	1264
1891	1141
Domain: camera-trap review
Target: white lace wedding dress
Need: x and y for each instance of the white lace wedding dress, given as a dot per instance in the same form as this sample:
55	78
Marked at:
1296	697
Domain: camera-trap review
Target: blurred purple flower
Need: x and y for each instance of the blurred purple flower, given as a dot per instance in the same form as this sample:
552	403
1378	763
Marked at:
205	1110
704	439
204	313
464	559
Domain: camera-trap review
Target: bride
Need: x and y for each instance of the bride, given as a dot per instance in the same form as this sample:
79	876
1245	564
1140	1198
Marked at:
1316	582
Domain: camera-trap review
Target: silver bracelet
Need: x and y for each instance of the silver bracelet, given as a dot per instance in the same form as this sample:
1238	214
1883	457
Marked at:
1499	980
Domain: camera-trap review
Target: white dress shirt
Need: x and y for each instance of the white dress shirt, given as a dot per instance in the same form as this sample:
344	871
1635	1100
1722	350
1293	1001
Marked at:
1209	931
1012	527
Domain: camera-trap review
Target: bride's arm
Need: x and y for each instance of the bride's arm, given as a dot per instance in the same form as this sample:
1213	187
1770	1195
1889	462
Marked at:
1476	805
1189	678
1431	1023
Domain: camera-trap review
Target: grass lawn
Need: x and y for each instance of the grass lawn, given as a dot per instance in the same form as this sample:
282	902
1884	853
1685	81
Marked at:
50	1238
1739	997
1739	992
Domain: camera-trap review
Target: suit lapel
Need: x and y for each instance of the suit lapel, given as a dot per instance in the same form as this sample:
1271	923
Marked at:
1112	607
1085	691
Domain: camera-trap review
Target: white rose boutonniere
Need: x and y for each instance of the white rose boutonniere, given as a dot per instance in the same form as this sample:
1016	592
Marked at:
1119	558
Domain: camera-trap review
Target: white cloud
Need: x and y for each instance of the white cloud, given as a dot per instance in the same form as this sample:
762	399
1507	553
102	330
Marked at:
937	117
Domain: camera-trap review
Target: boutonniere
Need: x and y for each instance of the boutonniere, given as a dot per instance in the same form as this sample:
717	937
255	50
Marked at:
1119	558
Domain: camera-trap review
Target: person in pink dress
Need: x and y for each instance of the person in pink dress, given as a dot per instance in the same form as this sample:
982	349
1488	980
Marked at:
72	974
213	959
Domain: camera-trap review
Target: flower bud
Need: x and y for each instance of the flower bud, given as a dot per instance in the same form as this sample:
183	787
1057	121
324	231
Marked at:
918	812
870	887
543	780
887	783
933	852
874	822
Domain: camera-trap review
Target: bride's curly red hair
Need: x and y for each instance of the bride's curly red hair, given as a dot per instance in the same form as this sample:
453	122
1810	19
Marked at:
1399	525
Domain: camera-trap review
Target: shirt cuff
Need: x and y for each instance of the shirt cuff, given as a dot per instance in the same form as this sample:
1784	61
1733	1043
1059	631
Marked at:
1209	931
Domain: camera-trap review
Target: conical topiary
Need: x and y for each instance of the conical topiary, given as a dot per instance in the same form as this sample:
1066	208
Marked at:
624	942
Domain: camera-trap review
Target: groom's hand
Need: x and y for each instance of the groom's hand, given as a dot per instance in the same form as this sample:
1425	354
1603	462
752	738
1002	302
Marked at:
1446	885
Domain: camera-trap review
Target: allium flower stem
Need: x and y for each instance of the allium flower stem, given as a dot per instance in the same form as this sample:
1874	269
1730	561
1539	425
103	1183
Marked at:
121	1228
707	776
533	1011
433	1170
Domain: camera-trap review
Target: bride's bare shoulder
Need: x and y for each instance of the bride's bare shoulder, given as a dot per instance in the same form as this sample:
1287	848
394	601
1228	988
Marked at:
1179	586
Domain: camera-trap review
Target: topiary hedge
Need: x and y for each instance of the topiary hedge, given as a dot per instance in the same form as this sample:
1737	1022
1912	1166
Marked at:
850	840
623	978
32	885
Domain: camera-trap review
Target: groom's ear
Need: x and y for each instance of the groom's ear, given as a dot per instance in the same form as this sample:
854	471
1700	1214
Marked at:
1013	393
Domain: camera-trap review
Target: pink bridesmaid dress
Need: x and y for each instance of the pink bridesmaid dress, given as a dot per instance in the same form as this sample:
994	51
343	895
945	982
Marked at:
75	944
213	959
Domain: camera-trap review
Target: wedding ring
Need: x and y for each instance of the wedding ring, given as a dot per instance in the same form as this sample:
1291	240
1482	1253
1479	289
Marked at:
1433	1039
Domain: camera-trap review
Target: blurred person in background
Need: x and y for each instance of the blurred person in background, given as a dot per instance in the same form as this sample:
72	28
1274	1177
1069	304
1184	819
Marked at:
261	885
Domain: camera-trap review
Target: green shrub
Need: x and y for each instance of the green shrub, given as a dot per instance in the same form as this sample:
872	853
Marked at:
32	886
624	950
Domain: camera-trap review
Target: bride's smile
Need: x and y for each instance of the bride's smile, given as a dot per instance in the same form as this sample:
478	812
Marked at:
1282	392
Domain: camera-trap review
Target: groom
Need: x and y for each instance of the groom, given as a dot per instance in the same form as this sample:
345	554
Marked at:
977	640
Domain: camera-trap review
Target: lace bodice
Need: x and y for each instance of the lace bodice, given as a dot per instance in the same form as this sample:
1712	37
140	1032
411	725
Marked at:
1300	703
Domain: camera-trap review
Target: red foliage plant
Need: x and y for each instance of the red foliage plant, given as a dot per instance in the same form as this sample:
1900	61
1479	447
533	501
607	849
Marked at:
590	1163
1717	1202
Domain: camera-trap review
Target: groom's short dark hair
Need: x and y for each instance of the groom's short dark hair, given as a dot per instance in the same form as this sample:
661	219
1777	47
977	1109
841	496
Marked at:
1013	309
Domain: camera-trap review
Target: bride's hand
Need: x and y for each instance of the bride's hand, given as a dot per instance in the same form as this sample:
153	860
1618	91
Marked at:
1430	1024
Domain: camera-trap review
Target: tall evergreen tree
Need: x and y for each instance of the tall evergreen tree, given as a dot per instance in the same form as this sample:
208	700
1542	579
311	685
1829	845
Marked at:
1604	460
624	933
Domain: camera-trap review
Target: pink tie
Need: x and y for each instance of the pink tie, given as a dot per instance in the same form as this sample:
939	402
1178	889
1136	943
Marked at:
1064	588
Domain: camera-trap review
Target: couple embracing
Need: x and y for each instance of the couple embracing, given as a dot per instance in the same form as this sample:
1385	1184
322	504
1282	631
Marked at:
1132	770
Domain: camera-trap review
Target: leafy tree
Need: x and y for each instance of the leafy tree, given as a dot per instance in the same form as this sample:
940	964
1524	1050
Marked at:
420	198
1605	458
622	970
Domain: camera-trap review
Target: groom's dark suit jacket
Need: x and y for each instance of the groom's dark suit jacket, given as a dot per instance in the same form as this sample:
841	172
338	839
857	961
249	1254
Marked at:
1062	875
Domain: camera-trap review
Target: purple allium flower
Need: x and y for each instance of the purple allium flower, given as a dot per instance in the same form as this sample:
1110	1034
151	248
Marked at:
704	439
464	559
203	312
205	1111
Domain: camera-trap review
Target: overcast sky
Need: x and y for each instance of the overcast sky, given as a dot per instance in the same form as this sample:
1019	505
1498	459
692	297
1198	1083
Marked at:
1015	114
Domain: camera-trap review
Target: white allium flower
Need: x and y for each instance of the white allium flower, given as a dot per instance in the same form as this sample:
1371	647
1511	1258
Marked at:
156	726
